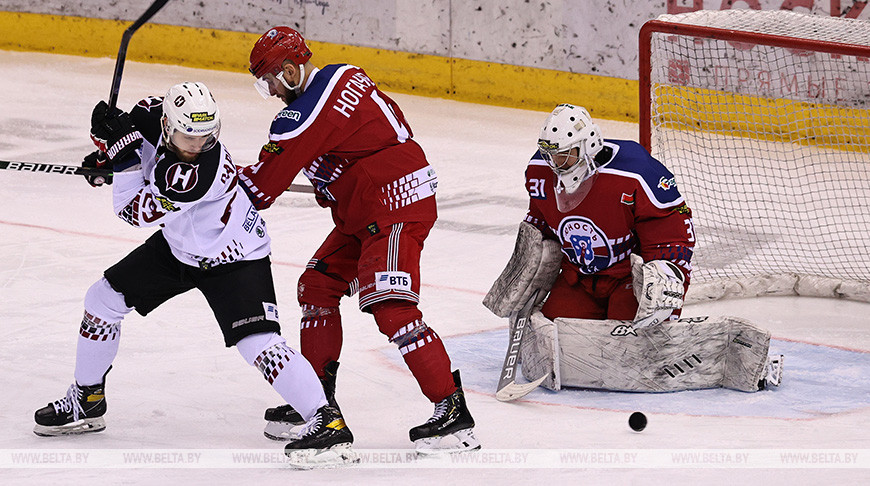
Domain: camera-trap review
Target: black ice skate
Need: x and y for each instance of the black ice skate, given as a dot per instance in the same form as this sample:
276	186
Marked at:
325	442
284	423
450	427
79	412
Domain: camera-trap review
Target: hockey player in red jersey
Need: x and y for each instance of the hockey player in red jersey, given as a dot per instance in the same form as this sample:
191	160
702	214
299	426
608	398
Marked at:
355	146
170	170
608	241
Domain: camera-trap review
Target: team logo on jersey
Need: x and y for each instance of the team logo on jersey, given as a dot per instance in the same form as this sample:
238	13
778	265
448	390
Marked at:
150	102
666	184
627	199
585	244
181	177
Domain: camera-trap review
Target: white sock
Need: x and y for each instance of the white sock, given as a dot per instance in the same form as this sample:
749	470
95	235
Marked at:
100	332
289	373
97	346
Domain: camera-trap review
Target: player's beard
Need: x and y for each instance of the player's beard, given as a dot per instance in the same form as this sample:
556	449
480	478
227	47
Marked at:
291	96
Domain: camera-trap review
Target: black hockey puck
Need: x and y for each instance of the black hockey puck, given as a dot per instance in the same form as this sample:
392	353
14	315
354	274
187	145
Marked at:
637	421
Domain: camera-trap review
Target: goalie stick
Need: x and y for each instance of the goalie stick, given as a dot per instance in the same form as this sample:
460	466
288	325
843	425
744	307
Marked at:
508	389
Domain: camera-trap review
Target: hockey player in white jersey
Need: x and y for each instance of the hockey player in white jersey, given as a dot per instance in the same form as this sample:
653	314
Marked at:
171	170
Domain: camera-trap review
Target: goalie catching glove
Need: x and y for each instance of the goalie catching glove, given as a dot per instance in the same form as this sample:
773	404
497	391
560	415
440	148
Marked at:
658	288
113	132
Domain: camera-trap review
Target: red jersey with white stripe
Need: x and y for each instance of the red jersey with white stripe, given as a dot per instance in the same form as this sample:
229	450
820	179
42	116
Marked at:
353	143
633	207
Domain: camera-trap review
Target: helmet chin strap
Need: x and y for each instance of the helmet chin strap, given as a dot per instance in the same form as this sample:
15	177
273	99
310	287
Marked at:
298	88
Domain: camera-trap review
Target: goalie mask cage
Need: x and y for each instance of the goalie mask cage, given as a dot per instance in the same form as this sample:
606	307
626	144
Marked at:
764	118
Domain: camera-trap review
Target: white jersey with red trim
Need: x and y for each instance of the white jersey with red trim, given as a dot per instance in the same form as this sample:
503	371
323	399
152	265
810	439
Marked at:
634	206
353	143
205	215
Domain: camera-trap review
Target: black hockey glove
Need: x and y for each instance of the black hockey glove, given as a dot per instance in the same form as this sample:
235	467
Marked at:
113	132
97	160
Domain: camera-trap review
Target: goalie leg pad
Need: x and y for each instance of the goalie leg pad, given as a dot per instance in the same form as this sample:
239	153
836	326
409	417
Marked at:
746	357
539	352
689	354
533	266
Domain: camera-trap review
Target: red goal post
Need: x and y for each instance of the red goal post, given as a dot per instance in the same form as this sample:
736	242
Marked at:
764	118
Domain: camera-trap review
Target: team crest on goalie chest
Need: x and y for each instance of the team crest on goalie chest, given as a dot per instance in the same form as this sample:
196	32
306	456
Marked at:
585	244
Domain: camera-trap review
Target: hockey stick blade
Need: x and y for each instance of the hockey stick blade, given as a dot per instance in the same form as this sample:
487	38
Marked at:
513	391
53	168
508	389
122	50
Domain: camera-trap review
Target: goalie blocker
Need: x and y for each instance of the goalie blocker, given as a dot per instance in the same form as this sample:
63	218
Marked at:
687	354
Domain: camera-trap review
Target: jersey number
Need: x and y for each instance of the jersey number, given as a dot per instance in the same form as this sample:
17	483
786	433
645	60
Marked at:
536	189
402	132
690	229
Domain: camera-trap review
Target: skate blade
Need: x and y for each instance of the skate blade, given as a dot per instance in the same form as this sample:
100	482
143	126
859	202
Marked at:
282	431
83	426
459	441
336	456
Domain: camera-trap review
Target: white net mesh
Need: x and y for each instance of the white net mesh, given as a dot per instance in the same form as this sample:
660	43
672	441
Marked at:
771	148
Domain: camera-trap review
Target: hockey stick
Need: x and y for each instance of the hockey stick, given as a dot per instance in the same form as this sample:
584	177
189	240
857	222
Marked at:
103	171
122	50
508	389
53	168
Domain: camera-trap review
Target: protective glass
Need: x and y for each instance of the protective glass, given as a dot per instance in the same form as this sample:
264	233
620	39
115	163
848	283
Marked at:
267	85
575	175
193	144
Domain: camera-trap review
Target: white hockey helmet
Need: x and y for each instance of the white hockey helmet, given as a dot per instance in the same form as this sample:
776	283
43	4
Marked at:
569	142
191	118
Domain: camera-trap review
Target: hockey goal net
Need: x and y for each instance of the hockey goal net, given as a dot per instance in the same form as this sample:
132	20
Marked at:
764	118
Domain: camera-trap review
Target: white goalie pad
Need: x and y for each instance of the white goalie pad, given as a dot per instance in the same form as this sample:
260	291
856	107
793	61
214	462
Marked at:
688	354
534	265
539	352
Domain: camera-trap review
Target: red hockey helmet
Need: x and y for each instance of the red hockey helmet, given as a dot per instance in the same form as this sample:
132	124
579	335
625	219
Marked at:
273	47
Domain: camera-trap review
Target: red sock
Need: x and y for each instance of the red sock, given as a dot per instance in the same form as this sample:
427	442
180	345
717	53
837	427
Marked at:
420	346
320	335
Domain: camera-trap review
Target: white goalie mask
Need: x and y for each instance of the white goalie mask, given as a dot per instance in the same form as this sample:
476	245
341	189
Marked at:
568	142
191	118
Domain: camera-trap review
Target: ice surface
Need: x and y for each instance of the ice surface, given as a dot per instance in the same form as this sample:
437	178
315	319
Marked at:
176	392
